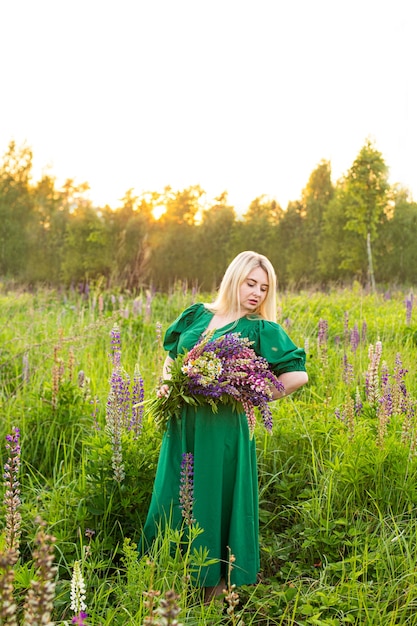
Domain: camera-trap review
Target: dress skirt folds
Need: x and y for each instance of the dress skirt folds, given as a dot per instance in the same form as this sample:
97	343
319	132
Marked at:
225	479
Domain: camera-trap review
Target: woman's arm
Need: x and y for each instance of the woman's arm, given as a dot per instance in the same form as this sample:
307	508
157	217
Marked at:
291	381
166	375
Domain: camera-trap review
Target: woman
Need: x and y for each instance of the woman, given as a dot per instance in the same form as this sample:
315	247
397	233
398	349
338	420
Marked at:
224	456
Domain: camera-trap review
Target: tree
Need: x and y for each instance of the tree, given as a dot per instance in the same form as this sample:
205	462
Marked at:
366	201
315	199
213	240
17	216
397	253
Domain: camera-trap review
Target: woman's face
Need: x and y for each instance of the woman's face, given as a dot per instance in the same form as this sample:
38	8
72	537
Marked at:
253	291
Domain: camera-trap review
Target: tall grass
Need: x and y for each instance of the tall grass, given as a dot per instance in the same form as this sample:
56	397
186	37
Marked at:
338	485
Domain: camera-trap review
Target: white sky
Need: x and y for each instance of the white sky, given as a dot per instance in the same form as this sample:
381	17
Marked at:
236	95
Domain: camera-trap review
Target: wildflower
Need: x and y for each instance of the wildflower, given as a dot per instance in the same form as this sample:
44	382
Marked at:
227	369
386	394
148	305
371	376
8	606
114	426
168	609
138	394
347	371
322	334
187	488
354	338
11	498
77	590
39	599
115	345
409	308
358	403
322	340
399	392
79	619
364	331
232	597
409	423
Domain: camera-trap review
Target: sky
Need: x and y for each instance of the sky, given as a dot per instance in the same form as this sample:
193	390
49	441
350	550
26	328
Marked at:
233	95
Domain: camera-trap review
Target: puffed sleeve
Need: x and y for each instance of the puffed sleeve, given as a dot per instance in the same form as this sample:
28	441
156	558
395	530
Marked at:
173	332
272	342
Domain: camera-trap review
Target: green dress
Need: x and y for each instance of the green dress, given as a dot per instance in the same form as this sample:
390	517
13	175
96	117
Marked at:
225	465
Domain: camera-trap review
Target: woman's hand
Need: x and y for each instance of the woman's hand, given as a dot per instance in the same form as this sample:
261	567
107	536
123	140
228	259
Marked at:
163	391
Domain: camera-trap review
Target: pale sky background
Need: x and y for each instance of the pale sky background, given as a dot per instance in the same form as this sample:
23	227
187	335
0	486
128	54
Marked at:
236	95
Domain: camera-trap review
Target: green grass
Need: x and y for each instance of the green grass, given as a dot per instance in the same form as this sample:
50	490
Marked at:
338	500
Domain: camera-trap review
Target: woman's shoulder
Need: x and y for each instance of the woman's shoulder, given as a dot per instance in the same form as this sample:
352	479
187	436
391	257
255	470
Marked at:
191	313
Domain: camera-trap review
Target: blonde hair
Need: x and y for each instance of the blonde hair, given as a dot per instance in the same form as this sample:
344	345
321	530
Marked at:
228	300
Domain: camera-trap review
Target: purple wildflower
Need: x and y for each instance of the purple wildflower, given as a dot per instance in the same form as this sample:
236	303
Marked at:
186	494
322	333
229	367
358	403
138	394
322	340
115	345
386	393
399	387
354	338
11	498
364	331
79	619
409	308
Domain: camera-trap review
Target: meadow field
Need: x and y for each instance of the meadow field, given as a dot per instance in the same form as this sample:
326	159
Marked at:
337	476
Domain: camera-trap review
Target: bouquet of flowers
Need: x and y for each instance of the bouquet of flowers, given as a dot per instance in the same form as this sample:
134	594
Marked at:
225	370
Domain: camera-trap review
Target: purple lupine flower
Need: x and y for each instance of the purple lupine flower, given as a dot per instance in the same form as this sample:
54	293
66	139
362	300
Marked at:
287	322
385	398
114	427
186	495
358	403
409	308
364	331
399	387
354	338
115	345
322	340
11	498
138	394
322	332
228	366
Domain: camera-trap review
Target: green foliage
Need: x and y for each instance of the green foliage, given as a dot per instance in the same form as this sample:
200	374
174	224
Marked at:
55	236
337	498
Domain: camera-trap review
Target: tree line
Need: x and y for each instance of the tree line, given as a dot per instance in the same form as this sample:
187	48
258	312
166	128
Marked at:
359	228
